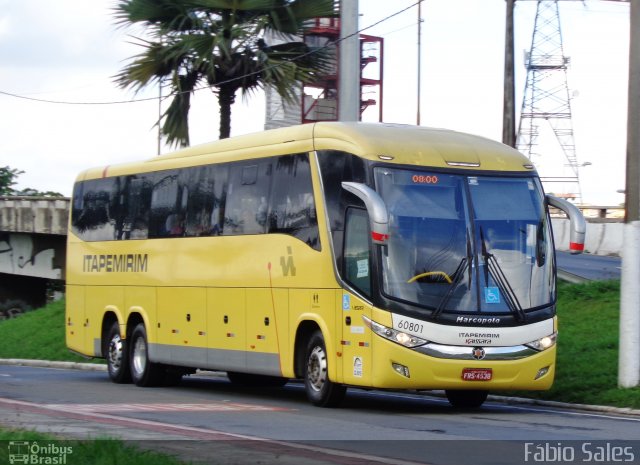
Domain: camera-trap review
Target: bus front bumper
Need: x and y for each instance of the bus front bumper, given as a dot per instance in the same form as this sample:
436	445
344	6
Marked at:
398	367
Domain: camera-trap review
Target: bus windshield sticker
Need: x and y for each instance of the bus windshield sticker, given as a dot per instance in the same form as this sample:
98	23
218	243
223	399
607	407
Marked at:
363	268
346	302
491	295
473	181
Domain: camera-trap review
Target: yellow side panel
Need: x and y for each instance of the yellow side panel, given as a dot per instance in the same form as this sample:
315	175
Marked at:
98	300
182	316
319	306
226	318
75	321
267	313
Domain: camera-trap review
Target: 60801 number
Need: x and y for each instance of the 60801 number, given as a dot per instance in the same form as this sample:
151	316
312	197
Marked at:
411	326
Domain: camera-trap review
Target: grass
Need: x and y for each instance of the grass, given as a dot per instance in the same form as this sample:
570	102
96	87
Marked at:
89	452
587	369
38	335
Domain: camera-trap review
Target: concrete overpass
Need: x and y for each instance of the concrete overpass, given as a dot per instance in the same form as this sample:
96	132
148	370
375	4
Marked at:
32	250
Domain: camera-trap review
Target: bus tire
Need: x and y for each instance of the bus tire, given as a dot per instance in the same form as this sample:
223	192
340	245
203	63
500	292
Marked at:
144	372
117	355
320	390
466	399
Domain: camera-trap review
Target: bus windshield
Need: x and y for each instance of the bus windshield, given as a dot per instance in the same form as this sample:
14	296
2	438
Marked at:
462	243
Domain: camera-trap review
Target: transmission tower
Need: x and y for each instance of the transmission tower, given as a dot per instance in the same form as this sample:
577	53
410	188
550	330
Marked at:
546	107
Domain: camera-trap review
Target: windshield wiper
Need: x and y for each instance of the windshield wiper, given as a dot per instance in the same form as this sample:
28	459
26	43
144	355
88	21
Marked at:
457	277
492	267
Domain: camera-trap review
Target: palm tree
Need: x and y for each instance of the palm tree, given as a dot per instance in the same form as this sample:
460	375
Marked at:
220	44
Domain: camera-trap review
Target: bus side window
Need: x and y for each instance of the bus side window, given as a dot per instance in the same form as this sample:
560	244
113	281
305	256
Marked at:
357	263
163	203
91	216
293	209
198	208
247	195
220	179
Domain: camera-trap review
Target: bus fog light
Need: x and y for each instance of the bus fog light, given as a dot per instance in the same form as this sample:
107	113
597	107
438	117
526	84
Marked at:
403	370
542	372
544	343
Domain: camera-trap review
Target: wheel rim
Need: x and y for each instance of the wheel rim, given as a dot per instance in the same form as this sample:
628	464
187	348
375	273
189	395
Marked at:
115	353
139	356
317	369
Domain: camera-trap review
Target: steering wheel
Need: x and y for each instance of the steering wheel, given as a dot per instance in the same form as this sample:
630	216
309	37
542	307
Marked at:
430	273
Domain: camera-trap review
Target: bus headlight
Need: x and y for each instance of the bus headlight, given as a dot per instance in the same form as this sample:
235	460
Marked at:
544	343
404	339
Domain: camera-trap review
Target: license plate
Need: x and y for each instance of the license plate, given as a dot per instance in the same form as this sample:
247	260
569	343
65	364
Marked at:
477	374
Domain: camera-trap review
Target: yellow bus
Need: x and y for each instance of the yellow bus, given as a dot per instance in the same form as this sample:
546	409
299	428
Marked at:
343	254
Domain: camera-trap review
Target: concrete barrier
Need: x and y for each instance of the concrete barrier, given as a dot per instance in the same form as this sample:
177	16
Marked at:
601	238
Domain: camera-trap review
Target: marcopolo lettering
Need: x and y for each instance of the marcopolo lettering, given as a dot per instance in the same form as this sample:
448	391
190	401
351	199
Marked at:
478	320
122	263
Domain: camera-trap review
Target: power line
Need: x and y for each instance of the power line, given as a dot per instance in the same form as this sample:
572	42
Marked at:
62	102
147	99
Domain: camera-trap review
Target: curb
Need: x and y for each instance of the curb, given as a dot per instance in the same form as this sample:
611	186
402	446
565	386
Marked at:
495	398
51	364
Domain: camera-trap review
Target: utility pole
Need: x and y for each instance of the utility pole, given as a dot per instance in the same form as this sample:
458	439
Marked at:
159	115
629	355
508	108
349	49
419	61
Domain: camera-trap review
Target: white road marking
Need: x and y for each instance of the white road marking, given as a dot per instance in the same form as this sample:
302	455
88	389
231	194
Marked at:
204	432
219	406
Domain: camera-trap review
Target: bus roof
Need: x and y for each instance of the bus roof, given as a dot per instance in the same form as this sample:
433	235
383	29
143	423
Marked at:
394	143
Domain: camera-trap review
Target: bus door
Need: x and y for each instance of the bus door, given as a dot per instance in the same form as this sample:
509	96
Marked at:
356	341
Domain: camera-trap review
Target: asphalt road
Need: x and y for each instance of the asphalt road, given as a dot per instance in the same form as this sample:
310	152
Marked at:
593	267
208	420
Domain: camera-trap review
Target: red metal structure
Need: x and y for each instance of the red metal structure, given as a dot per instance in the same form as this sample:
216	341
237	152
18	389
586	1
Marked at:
320	99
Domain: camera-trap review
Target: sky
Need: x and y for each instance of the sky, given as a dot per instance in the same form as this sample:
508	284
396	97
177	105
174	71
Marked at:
69	50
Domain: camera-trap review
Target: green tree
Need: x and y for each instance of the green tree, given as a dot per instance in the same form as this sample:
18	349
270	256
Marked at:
8	177
220	44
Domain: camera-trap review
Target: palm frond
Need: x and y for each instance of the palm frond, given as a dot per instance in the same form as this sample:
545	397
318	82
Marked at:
220	43
165	16
176	118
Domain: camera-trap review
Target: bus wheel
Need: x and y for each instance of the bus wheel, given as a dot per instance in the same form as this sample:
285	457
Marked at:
320	390
143	372
466	399
117	356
